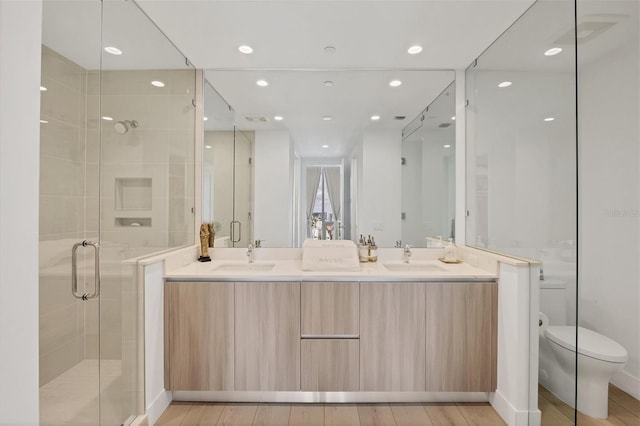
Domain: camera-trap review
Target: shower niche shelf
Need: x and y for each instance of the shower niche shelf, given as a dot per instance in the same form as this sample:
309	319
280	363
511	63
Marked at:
133	222
133	194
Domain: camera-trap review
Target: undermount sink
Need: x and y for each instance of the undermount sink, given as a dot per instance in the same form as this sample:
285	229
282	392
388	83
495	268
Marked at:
244	267
414	267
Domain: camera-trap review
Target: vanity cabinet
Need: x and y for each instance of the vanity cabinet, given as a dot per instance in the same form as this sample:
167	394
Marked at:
331	336
200	333
267	346
392	336
461	336
330	331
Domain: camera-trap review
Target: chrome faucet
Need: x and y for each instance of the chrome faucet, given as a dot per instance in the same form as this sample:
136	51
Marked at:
406	254
250	254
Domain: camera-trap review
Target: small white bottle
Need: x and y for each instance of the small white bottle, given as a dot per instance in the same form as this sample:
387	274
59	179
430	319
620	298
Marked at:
373	251
451	252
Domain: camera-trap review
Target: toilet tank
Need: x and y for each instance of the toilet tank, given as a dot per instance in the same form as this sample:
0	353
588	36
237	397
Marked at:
553	301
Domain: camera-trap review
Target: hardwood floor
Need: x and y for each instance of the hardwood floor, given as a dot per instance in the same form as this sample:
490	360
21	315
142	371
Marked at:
624	410
233	414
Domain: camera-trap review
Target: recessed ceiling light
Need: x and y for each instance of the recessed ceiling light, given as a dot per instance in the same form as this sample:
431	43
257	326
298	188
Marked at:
44	121
157	83
375	117
553	51
208	146
107	118
43	89
247	50
395	83
505	84
262	83
205	118
447	146
549	119
329	49
113	50
453	118
328	83
327	118
325	146
278	118
414	50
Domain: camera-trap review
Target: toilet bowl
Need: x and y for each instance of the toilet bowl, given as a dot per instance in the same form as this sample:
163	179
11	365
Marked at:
599	358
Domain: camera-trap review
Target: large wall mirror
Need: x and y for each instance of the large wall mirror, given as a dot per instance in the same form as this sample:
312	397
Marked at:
331	154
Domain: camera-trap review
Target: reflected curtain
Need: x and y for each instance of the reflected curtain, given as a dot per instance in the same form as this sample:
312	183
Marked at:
332	175
313	180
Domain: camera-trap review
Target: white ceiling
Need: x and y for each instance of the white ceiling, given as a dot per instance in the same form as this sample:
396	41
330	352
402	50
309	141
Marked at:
366	34
292	34
74	28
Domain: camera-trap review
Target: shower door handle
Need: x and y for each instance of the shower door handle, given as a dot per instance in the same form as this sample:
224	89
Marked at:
74	271
233	233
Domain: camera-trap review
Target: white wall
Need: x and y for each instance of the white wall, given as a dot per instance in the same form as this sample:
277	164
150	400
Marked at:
157	399
609	194
20	38
273	215
380	195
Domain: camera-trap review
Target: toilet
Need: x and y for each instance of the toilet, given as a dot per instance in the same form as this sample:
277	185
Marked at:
599	358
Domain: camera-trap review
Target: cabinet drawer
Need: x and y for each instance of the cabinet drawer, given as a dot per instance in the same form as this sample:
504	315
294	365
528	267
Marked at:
330	364
330	309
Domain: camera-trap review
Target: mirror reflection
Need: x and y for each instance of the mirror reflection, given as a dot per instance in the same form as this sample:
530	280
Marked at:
290	155
428	174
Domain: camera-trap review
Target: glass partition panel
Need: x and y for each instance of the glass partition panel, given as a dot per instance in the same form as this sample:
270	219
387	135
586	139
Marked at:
522	169
146	194
609	107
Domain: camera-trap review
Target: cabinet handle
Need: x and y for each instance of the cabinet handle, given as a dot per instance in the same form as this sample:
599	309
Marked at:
330	336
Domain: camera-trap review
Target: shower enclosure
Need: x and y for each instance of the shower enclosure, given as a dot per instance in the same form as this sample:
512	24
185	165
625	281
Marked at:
116	184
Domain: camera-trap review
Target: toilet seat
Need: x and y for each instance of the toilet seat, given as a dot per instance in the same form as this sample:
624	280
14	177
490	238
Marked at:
590	343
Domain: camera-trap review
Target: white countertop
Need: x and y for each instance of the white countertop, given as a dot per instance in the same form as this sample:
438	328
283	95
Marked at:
290	270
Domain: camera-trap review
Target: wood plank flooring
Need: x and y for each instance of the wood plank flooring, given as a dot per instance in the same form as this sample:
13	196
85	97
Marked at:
234	414
624	410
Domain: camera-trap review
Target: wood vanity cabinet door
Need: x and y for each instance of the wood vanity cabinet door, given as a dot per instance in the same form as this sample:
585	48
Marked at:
330	309
461	344
330	365
200	335
392	337
267	353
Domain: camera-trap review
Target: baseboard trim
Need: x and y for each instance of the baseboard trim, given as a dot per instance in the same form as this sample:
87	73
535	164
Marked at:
158	406
627	383
141	420
514	417
329	397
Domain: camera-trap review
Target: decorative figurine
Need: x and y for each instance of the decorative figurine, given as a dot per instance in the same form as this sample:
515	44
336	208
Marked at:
212	234
204	243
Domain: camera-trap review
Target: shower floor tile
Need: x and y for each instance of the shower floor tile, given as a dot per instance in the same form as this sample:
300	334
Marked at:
72	397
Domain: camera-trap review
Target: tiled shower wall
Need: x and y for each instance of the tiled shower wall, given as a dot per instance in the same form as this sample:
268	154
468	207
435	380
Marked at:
62	210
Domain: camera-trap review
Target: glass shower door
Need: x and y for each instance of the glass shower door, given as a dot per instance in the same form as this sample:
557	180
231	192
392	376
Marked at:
69	215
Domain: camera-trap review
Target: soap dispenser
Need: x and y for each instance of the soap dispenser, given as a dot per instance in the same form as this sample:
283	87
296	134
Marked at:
363	250
373	251
451	252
